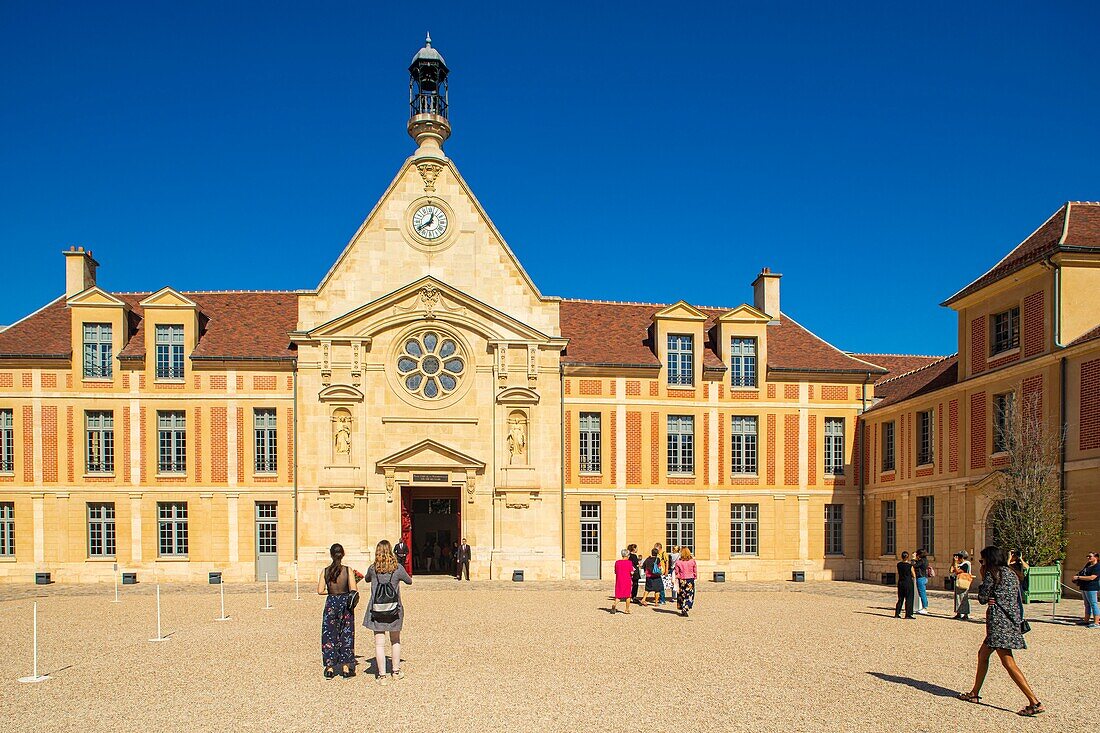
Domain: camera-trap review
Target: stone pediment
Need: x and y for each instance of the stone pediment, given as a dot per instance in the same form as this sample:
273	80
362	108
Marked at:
518	396
95	296
681	311
168	298
745	314
340	393
426	299
429	455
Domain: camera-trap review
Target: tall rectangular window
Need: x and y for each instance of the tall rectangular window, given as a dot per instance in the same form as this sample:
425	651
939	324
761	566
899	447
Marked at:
172	528
169	352
889	527
1003	406
888	446
7	529
928	524
925	453
267	527
681	360
265	426
590	448
7	442
100	429
1006	330
680	526
743	362
743	432
171	442
101	530
834	446
681	444
97	350
834	529
744	529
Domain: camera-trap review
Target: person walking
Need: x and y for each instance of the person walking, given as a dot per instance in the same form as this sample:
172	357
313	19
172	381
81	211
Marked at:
920	569
385	613
1000	592
960	567
624	576
401	552
662	558
462	558
338	620
906	587
636	576
654	578
1088	580
686	572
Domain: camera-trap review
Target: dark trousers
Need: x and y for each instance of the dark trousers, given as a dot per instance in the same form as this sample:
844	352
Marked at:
464	565
634	588
905	597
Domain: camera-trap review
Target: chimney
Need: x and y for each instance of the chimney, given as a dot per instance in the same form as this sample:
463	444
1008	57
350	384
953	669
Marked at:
765	292
79	271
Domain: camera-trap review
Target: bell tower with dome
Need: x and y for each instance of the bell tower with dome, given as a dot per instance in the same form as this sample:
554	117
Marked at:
428	123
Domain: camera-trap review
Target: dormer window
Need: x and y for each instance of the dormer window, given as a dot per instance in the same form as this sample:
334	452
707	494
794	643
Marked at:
97	351
169	352
743	362
1006	330
681	360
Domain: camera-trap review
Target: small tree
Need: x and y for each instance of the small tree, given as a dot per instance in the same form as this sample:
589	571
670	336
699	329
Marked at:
1028	512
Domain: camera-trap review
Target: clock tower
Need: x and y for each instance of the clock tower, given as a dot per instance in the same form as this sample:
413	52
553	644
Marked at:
428	123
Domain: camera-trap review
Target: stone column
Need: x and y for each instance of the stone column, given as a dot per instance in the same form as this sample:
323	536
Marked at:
712	509
778	534
62	526
804	527
233	520
620	523
135	527
39	527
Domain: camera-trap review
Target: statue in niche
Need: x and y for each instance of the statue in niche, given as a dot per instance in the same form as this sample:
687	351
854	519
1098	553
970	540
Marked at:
341	436
517	438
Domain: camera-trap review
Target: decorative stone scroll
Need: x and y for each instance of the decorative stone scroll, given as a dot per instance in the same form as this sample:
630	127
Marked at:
429	172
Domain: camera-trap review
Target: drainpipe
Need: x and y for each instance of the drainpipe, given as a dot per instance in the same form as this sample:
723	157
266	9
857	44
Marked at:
297	417
862	470
561	455
1057	317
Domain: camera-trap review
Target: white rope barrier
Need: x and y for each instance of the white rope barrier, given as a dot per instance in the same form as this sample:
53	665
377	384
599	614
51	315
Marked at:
35	677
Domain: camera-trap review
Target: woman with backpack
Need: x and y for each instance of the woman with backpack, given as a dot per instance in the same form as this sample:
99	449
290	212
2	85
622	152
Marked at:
654	578
385	612
338	621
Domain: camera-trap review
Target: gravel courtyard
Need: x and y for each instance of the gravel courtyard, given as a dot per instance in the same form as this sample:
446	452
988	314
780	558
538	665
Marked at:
530	657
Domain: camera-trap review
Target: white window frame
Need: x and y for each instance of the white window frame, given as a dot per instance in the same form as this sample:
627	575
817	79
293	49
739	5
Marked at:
102	538
890	527
7	441
98	351
169	352
171	442
1005	331
889	462
7	529
681	360
745	529
926	505
681	445
834	446
743	362
926	450
834	530
265	428
172	529
99	442
744	445
590	453
680	525
1004	404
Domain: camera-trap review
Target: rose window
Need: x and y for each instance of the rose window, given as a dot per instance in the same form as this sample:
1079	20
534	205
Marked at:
430	365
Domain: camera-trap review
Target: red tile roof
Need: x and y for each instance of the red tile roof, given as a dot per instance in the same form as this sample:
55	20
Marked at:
897	364
608	334
1075	226
1087	336
238	325
937	375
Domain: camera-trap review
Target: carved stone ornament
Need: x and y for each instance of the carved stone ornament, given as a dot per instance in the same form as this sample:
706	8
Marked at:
516	504
429	172
341	505
429	299
390	485
341	435
517	438
470	487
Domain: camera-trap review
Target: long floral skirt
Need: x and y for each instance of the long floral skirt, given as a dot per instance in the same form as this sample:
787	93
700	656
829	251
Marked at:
338	632
685	597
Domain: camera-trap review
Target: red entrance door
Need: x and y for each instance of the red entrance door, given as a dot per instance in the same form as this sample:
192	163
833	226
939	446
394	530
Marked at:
407	527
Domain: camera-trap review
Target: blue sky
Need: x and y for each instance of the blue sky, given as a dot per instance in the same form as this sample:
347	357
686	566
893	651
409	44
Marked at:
879	157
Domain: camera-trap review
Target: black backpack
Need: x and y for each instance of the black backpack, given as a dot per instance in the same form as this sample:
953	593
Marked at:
384	603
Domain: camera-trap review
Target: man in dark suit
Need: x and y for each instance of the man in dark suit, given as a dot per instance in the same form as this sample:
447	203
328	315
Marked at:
401	552
462	560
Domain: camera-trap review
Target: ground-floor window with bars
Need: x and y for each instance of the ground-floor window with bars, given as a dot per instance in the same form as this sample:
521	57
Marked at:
101	530
834	529
267	527
7	529
744	529
680	526
590	527
172	528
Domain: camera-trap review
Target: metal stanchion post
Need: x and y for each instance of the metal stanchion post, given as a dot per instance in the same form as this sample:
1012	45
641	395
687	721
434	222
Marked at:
35	677
267	592
223	617
160	636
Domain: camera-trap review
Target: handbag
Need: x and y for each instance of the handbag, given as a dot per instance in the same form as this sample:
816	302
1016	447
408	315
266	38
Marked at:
963	581
1024	626
353	600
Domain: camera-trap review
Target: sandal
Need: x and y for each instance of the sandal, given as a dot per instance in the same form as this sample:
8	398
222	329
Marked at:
969	697
329	673
1032	710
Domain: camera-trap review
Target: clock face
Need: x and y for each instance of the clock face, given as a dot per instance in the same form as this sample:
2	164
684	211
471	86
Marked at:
429	222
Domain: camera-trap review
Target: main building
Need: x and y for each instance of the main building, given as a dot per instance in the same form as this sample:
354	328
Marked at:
427	389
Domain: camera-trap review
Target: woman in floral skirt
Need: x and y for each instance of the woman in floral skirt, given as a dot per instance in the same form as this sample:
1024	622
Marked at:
686	573
337	581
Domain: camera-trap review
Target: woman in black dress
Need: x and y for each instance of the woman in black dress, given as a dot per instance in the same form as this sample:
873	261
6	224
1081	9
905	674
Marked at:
907	577
636	561
1000	593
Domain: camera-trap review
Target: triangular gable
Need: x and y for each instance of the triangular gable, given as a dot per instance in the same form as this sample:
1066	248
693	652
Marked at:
444	302
168	297
681	311
430	454
95	296
744	314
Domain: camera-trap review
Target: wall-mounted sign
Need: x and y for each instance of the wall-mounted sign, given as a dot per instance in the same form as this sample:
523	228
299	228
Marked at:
430	478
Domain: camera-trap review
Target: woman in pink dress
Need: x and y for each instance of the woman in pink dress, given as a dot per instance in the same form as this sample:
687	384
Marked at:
624	581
